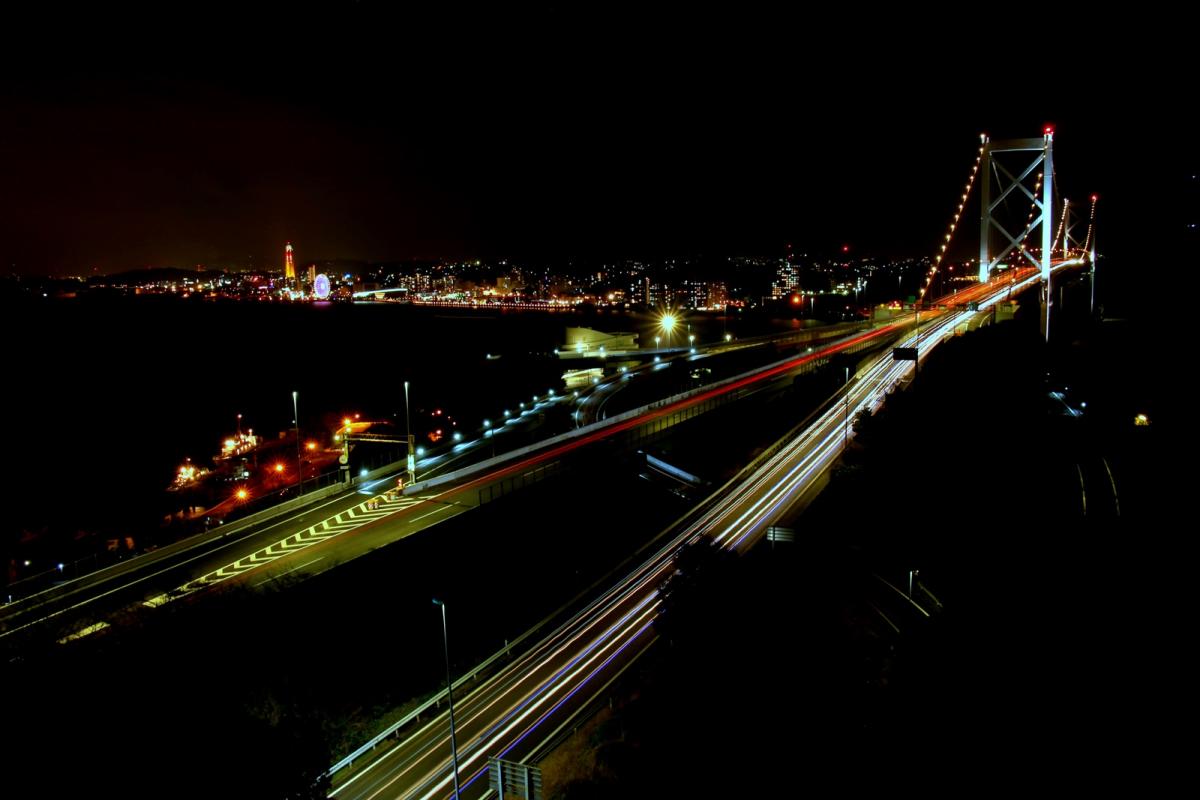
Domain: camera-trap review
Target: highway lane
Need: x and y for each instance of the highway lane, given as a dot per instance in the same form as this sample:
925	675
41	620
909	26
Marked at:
159	570
512	713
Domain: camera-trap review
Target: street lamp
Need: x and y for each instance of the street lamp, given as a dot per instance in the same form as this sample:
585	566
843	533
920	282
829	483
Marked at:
846	420
412	459
299	462
449	696
667	323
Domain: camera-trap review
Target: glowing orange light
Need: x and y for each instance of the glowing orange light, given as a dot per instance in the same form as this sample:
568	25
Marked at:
279	467
311	445
242	494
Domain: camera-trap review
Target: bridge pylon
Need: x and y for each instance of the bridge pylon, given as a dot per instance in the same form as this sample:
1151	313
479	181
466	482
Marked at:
1014	181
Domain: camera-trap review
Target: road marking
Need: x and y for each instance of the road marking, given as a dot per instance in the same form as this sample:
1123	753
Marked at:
1112	481
342	522
293	569
431	513
1082	489
99	626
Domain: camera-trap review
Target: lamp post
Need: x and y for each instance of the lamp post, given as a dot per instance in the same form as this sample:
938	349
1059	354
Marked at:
299	462
667	323
449	696
412	458
846	419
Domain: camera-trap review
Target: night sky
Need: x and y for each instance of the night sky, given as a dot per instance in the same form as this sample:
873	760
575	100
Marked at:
210	134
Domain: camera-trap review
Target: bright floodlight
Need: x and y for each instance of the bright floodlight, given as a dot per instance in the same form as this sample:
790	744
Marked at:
667	323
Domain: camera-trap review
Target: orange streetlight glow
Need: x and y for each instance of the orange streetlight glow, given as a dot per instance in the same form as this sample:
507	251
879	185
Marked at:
311	445
279	467
242	494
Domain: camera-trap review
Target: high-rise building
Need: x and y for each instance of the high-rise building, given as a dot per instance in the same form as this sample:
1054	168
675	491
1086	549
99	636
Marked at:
718	295
787	277
787	280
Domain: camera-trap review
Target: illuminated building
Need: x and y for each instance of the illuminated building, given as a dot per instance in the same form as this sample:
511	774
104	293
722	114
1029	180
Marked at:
787	280
289	266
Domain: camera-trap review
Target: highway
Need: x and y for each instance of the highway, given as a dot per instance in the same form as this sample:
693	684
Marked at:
517	711
339	529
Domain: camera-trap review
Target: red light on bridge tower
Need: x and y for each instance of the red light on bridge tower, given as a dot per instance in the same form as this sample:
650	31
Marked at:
1048	130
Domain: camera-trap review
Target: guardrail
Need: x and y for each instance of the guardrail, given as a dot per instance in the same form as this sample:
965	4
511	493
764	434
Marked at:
439	698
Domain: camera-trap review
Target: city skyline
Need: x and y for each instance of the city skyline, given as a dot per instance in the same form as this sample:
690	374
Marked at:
464	142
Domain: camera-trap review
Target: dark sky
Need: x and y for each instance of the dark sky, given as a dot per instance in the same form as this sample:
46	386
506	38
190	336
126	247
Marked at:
209	133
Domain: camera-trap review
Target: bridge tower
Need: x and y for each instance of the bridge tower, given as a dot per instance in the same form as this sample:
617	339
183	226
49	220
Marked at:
1007	183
